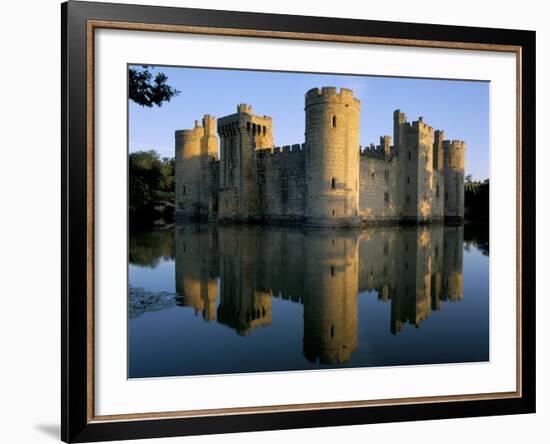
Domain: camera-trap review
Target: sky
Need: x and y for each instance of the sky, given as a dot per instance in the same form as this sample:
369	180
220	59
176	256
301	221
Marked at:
460	108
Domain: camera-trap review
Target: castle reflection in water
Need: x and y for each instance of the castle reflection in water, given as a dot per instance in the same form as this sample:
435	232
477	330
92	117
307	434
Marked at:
230	274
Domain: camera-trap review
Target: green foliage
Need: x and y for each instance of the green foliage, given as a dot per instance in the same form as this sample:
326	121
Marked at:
148	247
146	91
151	185
476	201
477	233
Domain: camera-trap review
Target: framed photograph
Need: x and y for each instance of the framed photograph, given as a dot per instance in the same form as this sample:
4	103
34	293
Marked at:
275	221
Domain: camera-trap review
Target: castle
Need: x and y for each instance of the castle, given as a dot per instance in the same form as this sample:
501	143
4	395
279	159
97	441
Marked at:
328	181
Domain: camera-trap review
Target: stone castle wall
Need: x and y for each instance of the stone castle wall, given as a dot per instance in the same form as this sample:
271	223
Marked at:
378	197
281	183
438	196
332	157
328	181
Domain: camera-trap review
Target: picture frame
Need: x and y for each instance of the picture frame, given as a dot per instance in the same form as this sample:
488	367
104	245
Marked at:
79	179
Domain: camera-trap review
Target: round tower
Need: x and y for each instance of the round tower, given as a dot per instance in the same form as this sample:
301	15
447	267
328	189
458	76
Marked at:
209	153
332	157
453	172
188	172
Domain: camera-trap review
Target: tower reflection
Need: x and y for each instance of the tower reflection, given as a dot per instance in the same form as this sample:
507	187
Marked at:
330	302
197	270
231	273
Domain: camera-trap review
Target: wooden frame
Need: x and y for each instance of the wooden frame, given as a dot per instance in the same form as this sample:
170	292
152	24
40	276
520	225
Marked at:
79	21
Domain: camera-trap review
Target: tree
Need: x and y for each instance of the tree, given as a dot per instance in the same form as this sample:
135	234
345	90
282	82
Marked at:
476	201
469	178
148	248
146	91
151	183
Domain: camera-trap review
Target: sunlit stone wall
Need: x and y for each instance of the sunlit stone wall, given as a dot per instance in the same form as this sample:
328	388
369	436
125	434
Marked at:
332	157
328	181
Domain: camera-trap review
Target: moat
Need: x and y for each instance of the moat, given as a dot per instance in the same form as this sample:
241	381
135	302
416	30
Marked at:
209	299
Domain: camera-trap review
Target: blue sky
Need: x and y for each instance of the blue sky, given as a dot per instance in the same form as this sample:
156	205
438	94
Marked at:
460	108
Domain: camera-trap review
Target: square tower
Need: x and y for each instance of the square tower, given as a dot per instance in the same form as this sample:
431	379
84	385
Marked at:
241	134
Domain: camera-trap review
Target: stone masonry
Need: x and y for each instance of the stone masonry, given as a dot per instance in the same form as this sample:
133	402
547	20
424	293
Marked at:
328	181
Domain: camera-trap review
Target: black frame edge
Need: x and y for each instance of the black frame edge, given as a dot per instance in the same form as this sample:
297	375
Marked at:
64	147
528	208
73	182
74	425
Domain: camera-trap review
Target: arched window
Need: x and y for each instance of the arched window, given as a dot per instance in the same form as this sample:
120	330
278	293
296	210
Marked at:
183	189
334	121
333	183
332	331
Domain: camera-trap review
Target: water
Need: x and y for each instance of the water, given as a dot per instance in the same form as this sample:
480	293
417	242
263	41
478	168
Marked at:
208	299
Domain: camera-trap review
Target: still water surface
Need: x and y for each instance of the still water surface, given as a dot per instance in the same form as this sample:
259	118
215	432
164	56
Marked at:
208	299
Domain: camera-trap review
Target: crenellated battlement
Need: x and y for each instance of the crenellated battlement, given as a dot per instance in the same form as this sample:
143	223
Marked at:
245	122
197	131
454	144
419	127
384	151
244	108
296	148
326	94
374	152
208	127
399	117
